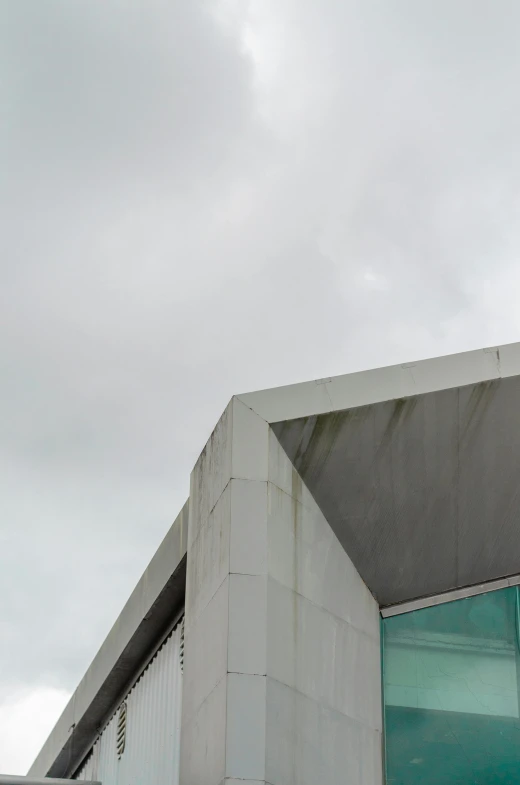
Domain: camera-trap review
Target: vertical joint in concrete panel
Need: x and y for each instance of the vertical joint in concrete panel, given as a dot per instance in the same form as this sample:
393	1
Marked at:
282	671
223	718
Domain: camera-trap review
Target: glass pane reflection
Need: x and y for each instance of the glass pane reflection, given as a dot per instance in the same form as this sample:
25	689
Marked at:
450	677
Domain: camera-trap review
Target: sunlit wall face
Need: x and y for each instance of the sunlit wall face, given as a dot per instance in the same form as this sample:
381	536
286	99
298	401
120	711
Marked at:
451	678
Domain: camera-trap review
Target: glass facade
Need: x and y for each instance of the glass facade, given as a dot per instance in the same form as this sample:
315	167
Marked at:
450	681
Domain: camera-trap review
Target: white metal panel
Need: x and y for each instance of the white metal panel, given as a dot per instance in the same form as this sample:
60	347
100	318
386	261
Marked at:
449	596
151	754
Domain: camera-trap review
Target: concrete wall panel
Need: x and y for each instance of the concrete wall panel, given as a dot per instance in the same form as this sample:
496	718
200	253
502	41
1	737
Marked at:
308	743
303	665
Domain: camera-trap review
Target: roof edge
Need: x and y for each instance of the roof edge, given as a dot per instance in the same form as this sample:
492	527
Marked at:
375	386
152	606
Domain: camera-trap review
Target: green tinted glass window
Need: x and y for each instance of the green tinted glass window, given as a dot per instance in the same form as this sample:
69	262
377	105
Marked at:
450	678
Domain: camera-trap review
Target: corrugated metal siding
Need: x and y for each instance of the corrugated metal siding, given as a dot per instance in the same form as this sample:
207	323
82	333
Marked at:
153	719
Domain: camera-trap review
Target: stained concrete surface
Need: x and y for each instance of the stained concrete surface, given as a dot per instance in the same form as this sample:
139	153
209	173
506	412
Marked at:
423	492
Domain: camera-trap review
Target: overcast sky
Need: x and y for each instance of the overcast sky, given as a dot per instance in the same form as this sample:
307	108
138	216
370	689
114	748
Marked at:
201	198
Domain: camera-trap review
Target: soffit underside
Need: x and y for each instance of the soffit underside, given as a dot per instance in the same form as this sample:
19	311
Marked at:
422	492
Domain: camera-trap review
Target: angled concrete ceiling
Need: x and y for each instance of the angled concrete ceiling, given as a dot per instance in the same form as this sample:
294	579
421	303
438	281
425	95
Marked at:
422	491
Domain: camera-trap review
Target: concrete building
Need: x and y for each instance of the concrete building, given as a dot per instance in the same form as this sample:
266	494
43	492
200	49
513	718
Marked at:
337	602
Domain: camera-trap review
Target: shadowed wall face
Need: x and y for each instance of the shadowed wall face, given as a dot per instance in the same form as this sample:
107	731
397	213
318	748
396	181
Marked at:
424	492
450	675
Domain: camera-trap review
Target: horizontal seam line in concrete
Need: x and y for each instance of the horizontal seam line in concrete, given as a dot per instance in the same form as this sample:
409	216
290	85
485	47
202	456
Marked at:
330	613
358	721
242	779
250	574
267	575
241	479
327	706
314	509
203	608
248	479
212	508
298	501
238	398
199	705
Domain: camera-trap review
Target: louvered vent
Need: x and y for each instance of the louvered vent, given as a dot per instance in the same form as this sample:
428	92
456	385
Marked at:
181	647
121	731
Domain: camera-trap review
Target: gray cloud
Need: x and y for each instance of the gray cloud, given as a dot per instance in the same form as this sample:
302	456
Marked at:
199	199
